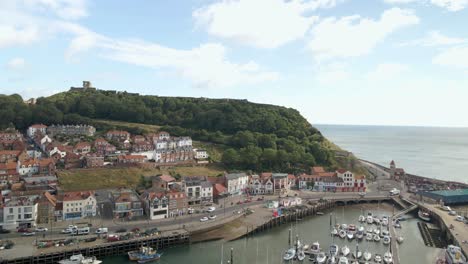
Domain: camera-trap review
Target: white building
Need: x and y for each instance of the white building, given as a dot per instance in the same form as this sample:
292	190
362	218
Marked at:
32	130
237	183
206	192
20	211
193	190
78	205
200	154
259	185
28	167
157	205
347	176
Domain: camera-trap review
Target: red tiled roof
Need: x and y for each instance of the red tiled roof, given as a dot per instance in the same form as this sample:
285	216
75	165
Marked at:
73	196
359	177
10	152
8	165
38	126
317	170
219	188
341	170
290	176
327	174
82	145
167	178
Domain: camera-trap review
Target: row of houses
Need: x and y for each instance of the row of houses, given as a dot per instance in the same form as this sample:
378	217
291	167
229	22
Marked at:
67	130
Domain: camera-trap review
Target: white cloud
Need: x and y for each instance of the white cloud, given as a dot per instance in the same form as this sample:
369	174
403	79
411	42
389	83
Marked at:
454	57
332	73
259	23
435	38
451	5
354	36
65	9
401	1
16	64
205	66
12	35
387	71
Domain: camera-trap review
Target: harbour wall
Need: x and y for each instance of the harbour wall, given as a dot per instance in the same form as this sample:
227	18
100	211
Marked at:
106	249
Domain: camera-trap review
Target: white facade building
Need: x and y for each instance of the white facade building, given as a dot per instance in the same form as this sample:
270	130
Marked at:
20	212
237	183
206	192
347	176
32	130
200	154
78	205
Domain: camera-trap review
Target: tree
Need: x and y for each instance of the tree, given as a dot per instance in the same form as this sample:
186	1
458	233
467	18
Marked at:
230	157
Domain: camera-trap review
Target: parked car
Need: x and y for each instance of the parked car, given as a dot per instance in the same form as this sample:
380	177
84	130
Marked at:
460	218
452	212
28	234
66	231
102	230
121	230
204	219
4	231
212	217
190	210
210	209
41	229
394	191
362	194
446	208
23	230
72	227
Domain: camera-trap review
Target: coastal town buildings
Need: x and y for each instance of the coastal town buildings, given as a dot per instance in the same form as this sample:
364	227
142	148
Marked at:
396	173
126	204
78	205
19	211
236	183
156	204
35	129
71	130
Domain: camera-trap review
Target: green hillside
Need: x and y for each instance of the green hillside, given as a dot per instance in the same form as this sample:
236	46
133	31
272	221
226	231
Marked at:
252	136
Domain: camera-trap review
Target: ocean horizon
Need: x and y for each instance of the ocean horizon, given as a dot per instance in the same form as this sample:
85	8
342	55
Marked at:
435	152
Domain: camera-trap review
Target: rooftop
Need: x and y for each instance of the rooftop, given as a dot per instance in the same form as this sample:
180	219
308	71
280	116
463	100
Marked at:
451	192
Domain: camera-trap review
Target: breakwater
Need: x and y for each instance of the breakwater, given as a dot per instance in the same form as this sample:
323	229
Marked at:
106	249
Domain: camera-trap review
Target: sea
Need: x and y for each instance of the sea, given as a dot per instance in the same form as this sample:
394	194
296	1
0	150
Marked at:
435	152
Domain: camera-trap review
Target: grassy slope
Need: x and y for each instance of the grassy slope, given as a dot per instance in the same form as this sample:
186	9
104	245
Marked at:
101	178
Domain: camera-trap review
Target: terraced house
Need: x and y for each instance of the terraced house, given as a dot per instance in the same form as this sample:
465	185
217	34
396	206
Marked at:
78	205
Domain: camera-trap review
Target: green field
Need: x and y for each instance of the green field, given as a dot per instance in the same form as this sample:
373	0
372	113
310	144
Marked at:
101	178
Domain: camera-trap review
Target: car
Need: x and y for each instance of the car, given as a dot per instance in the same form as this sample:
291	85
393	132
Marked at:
23	230
72	227
41	229
4	231
191	210
28	234
66	231
102	230
212	217
446	208
204	219
460	218
121	230
394	191
210	209
362	194
452	212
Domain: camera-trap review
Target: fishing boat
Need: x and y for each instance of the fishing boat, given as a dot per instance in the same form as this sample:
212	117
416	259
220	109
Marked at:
359	234
400	239
144	255
350	235
386	240
376	238
369	218
387	258
343	260
345	250
367	255
424	215
454	255
369	237
378	258
314	249
80	259
342	233
321	258
289	254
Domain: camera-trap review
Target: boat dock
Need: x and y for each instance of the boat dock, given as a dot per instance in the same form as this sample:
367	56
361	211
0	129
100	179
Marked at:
105	249
393	243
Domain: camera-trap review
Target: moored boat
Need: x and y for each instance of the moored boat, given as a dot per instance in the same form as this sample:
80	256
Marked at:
388	258
144	255
367	255
314	249
369	237
342	234
362	218
400	239
454	255
334	249
424	215
369	218
376	238
80	259
386	240
321	258
350	235
289	254
345	250
378	258
343	260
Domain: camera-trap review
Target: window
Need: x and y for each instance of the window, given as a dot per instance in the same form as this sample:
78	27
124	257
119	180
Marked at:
11	210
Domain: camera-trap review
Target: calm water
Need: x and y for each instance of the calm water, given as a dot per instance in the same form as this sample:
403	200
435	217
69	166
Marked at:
427	151
269	246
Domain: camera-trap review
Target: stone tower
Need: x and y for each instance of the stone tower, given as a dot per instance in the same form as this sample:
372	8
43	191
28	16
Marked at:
392	169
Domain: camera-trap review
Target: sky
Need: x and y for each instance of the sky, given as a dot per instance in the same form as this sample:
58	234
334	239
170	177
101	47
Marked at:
367	62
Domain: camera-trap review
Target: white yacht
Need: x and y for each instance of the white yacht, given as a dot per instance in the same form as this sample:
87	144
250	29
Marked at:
321	258
342	234
334	249
367	255
345	250
388	258
350	235
369	237
378	258
400	239
289	254
343	260
454	255
386	240
385	220
362	218
314	249
369	218
80	259
376	238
